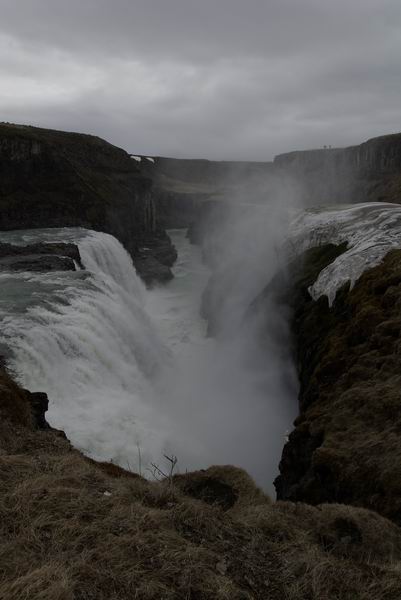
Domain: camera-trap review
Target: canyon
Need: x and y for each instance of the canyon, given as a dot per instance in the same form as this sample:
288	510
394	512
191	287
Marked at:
76	526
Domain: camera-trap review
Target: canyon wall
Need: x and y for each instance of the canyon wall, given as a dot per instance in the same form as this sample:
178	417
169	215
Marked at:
346	443
368	172
181	186
58	179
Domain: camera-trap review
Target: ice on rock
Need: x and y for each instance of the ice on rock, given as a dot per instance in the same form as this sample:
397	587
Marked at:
370	229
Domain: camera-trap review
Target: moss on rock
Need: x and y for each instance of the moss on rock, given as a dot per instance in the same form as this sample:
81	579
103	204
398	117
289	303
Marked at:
346	446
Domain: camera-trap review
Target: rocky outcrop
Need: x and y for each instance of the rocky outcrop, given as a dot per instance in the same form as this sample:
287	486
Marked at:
154	258
58	179
40	257
365	173
346	443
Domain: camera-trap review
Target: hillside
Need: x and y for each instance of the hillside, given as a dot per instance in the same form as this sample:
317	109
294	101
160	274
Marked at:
73	529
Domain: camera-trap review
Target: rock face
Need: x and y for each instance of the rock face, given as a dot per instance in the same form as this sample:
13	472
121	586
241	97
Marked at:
58	179
368	172
40	257
346	444
181	186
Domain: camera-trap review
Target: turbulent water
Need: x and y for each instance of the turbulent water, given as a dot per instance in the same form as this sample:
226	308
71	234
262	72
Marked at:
130	373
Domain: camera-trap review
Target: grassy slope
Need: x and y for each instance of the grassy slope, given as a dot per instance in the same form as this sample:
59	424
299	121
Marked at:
72	529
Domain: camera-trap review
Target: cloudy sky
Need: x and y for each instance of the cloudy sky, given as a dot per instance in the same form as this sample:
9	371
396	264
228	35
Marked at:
221	79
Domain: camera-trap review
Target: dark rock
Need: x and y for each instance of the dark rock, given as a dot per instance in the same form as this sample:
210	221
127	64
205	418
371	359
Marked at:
153	259
39	403
39	257
58	249
152	271
57	179
346	442
37	263
159	247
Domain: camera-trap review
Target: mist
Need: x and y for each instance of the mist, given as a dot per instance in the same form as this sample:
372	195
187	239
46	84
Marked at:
196	368
232	396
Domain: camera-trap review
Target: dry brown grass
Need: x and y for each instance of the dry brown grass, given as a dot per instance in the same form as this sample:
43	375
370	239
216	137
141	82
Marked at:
74	529
63	538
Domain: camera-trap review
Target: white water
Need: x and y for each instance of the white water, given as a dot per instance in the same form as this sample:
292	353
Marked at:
86	339
129	372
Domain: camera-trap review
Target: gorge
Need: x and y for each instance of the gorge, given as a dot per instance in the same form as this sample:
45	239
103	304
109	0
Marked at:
204	363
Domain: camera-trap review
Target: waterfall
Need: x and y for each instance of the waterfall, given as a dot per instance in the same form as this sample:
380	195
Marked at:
85	338
130	373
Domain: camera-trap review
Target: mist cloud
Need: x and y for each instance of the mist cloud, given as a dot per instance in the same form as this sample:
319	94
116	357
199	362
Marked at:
223	79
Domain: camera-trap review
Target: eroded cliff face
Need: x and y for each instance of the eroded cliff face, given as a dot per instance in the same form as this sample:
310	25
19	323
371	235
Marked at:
58	179
346	443
368	172
182	186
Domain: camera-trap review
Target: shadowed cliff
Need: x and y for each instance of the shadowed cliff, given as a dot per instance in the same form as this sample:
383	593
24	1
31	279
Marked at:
345	446
58	179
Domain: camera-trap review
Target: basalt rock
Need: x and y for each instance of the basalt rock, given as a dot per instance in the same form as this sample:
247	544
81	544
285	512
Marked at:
40	257
152	271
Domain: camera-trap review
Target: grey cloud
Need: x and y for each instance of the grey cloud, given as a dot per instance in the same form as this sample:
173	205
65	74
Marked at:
223	79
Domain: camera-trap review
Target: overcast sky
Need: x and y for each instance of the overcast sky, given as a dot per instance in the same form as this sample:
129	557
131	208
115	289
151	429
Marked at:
220	79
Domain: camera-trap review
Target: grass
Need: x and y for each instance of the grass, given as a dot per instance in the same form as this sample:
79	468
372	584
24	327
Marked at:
73	529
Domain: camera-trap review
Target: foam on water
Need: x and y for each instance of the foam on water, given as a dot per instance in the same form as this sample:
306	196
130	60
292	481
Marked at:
127	369
86	339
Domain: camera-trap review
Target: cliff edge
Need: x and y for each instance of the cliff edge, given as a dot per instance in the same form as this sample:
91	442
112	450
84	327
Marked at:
58	179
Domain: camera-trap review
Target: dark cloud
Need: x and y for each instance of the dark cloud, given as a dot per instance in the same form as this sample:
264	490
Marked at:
223	79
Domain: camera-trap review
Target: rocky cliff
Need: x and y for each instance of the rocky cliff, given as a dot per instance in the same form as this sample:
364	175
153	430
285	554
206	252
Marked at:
58	179
368	172
181	186
346	443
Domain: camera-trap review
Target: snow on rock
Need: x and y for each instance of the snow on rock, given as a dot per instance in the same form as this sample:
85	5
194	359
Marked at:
371	230
150	159
137	158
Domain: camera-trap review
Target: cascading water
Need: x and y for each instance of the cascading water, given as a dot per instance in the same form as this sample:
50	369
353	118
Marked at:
129	372
85	338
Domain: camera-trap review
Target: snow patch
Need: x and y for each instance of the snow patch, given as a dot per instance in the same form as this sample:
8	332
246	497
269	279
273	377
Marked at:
371	230
152	160
137	158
